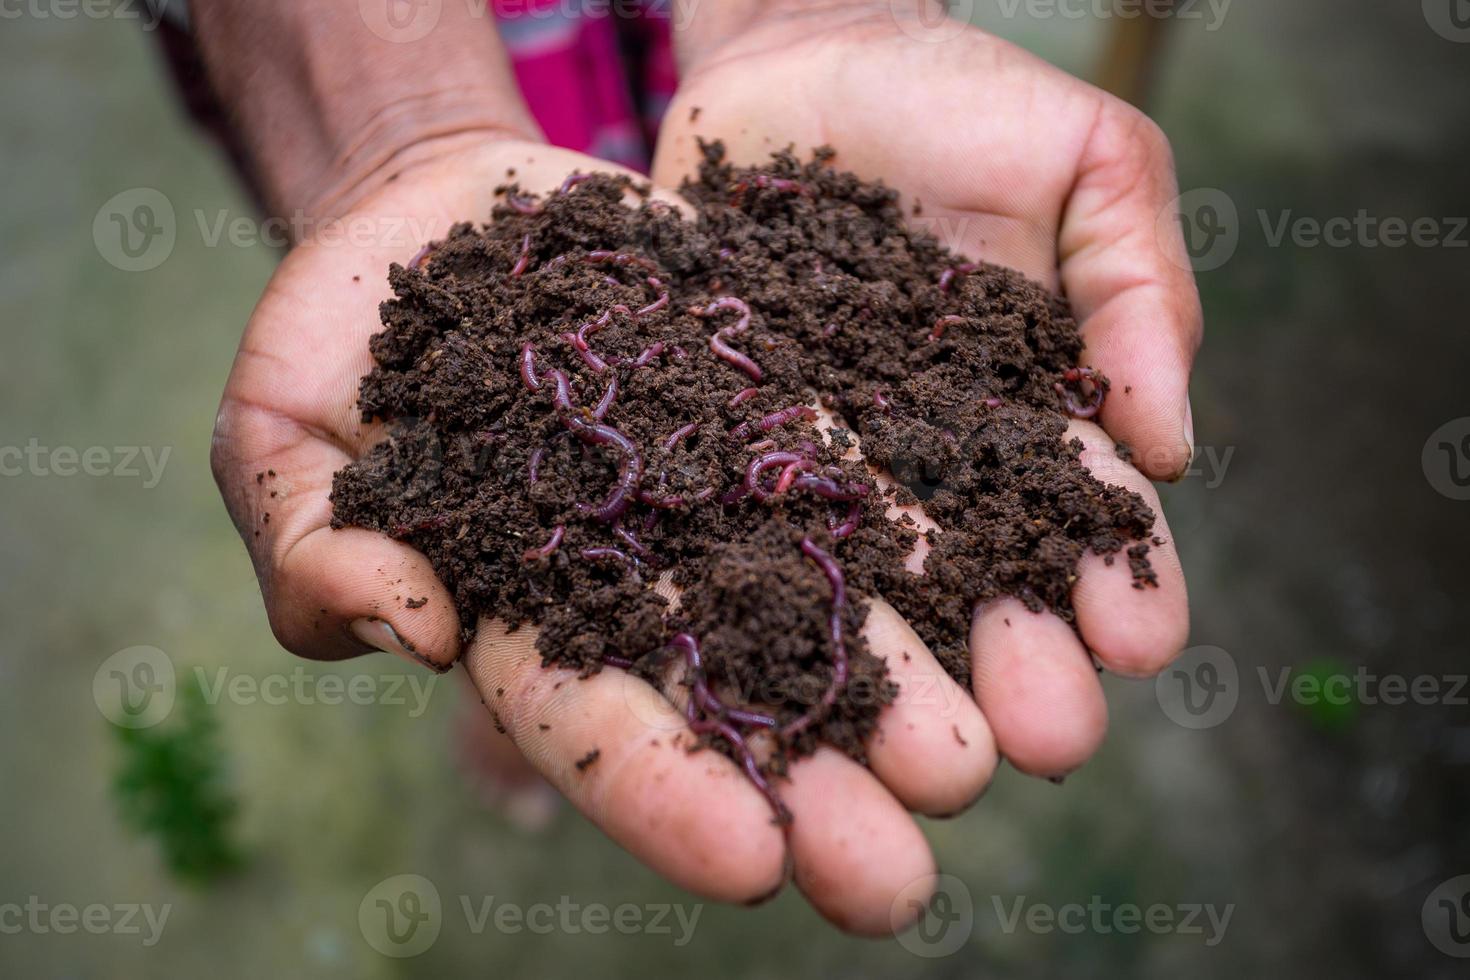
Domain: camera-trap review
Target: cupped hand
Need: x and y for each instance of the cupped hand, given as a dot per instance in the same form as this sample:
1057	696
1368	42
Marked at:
1008	160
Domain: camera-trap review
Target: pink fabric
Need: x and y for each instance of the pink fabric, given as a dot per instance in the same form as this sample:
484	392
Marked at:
596	79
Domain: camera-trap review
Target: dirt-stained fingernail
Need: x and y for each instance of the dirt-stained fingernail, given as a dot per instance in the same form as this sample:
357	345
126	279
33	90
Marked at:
380	635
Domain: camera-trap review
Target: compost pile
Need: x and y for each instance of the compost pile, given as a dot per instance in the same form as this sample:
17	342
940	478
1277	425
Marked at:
584	399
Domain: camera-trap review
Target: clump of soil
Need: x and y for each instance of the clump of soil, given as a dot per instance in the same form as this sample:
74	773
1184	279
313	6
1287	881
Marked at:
583	397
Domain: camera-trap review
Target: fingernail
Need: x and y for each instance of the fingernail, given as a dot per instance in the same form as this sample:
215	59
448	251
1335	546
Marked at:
1189	425
380	635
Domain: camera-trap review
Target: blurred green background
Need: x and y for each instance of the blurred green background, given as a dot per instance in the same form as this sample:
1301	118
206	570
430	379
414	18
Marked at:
1320	548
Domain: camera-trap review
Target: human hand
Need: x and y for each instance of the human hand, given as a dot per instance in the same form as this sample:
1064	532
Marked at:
1018	164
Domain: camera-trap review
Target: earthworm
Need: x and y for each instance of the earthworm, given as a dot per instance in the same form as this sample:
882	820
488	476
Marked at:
658	304
993	402
774	420
747	762
880	400
533	467
948	276
833	571
854	516
790	473
943	322
649	353
717	341
763	181
437	522
634	545
742	396
525	258
522	204
630	472
606	402
1075	376
572	181
552	543
613	660
528	367
672	501
680	434
611	554
760	464
421	257
828	488
604	256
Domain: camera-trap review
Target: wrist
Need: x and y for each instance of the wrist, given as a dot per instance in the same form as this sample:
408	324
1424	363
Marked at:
330	108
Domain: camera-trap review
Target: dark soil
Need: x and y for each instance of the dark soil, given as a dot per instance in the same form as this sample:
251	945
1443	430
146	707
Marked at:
957	379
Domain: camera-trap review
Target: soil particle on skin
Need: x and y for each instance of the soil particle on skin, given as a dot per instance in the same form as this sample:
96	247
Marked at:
416	603
588	760
953	377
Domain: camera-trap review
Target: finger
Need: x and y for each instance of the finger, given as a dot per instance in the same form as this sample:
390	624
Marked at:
1134	630
933	719
330	594
692	817
1037	687
855	849
1131	287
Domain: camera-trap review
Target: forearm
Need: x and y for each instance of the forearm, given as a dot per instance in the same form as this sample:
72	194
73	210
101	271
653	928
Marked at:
328	107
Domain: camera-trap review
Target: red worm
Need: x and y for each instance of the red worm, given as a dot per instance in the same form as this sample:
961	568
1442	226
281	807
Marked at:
774	420
634	545
1073	378
421	257
764	181
552	543
680	434
942	323
524	260
528	367
606	402
854	516
717	342
658	304
993	402
611	554
572	181
533	467
630	472
948	276
649	353
833	571
742	396
522	204
880	400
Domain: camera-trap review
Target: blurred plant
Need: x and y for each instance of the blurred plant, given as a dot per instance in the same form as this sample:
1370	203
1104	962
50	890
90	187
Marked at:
171	785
